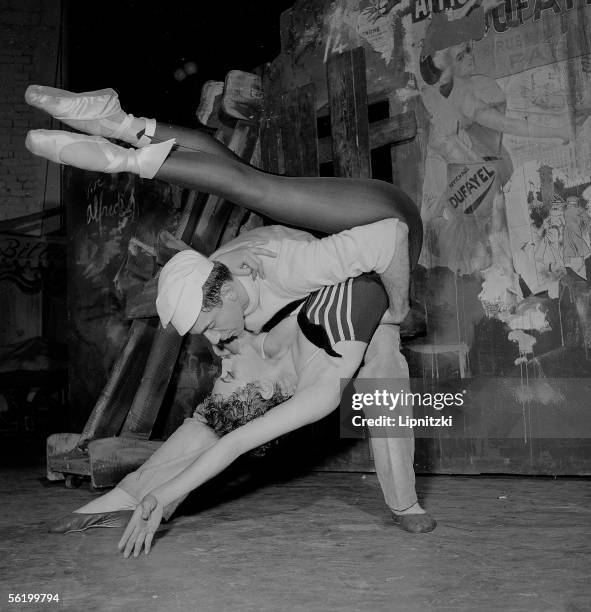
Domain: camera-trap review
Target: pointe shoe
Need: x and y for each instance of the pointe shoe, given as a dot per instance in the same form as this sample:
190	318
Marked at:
93	112
97	154
77	521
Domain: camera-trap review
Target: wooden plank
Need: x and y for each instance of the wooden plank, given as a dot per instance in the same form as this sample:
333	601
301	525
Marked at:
411	154
298	131
347	98
110	410
141	302
208	111
64	456
243	96
235	221
392	130
270	129
57	447
154	383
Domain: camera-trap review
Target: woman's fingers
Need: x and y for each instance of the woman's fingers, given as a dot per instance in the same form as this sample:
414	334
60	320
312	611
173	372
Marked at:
136	537
139	532
130	542
129	529
148	542
139	541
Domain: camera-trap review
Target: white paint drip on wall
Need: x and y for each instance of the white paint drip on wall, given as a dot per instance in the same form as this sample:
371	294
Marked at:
530	317
525	342
497	300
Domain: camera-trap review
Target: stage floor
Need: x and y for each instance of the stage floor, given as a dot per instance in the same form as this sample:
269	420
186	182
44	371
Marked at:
323	541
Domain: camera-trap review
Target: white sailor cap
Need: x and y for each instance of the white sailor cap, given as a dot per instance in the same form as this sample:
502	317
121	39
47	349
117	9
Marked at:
180	289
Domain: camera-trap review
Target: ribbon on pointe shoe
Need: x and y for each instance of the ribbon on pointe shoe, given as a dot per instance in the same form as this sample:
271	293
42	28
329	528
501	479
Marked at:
77	521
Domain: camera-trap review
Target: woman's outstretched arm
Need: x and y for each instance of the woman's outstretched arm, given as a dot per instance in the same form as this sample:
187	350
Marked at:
316	396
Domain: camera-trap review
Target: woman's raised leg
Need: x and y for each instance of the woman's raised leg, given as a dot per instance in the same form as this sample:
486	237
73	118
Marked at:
201	162
324	204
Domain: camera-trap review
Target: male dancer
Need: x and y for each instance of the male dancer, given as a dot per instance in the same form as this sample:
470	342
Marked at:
327	204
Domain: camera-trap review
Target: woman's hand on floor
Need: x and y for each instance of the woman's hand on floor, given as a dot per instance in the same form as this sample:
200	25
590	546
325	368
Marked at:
141	527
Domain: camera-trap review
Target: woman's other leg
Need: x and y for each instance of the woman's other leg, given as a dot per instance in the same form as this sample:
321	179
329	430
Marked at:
189	441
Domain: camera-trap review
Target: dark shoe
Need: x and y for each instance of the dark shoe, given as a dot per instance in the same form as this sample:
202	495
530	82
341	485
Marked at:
415	523
77	521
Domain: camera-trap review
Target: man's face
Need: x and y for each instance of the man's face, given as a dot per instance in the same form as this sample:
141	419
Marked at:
222	322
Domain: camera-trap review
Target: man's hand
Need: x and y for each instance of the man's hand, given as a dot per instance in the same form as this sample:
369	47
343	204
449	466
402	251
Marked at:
395	316
396	278
245	260
141	527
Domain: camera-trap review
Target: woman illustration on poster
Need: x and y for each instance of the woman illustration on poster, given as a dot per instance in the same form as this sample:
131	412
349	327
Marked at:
468	122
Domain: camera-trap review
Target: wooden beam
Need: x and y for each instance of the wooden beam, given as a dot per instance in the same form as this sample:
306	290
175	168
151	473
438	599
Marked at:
347	99
389	131
141	300
270	129
411	153
298	131
243	96
154	383
208	111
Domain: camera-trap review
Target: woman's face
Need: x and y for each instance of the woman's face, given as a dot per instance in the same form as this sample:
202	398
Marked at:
239	369
247	366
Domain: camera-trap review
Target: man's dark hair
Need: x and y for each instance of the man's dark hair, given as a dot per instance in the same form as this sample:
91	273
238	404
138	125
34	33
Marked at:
213	285
224	415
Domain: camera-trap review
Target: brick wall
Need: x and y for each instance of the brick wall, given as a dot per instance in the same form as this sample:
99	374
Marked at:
29	37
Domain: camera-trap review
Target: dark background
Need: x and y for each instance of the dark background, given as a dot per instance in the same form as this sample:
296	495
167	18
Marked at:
135	48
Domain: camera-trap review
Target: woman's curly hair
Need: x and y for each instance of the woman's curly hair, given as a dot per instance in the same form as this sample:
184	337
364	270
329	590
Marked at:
224	415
